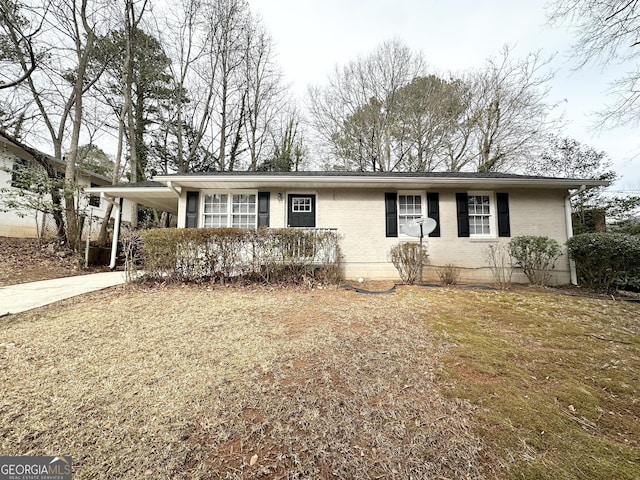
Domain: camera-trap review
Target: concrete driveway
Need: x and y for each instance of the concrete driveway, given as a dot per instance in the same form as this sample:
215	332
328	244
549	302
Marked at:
25	296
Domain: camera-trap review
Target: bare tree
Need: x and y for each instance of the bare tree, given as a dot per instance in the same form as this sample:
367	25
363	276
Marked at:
55	91
607	32
362	96
226	85
510	112
132	14
288	150
265	92
16	43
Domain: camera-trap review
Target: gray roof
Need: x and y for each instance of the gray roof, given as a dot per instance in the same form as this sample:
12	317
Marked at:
332	173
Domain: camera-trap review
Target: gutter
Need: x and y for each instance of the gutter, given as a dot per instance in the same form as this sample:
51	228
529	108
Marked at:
569	223
364	182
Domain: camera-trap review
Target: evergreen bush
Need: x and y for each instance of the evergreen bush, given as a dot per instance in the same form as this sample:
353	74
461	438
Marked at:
536	255
606	260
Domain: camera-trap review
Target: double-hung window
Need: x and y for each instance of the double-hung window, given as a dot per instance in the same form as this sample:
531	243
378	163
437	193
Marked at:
409	208
479	214
237	210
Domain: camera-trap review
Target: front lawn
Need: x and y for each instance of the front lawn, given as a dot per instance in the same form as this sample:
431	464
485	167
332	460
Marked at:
196	382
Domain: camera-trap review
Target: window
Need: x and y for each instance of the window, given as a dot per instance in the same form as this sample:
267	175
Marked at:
243	211
94	200
409	208
479	215
18	177
301	204
236	210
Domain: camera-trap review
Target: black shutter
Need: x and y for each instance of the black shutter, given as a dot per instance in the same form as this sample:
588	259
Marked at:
391	213
502	200
433	209
192	210
263	209
462	208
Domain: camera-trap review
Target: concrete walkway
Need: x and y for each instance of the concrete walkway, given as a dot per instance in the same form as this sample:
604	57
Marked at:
25	296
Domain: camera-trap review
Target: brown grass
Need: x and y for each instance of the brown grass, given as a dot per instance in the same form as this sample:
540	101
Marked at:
233	383
208	383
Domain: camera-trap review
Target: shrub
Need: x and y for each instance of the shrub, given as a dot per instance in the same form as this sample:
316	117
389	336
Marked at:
500	264
536	255
604	259
408	258
226	254
132	250
449	274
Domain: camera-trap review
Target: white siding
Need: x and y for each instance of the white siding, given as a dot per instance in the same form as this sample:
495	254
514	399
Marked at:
12	225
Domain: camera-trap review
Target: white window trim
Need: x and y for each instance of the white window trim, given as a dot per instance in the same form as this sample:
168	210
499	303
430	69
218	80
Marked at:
423	208
229	213
493	228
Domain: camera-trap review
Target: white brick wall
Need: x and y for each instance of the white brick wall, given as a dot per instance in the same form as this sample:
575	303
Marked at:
359	216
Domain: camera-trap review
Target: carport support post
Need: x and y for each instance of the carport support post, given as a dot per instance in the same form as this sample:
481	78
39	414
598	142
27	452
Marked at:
88	239
116	233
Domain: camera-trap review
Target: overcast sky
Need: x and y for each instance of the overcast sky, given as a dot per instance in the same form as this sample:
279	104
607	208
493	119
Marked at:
312	36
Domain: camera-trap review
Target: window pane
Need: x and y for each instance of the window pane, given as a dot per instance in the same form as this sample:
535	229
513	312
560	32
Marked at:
215	221
301	204
409	208
479	215
243	210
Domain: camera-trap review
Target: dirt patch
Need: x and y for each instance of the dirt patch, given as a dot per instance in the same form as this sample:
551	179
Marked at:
190	382
25	260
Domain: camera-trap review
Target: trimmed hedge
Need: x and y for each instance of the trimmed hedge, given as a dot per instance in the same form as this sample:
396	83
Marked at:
233	254
606	260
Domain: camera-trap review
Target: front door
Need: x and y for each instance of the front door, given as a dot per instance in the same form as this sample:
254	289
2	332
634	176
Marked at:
302	210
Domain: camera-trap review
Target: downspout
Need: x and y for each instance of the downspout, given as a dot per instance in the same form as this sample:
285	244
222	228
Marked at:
569	222
177	190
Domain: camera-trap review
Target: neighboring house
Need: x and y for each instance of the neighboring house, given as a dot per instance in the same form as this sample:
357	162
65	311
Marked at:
13	156
473	211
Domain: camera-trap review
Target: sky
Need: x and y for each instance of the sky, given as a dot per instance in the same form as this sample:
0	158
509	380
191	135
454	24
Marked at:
313	36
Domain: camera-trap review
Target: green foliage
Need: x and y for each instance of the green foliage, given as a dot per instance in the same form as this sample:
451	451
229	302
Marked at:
565	157
407	131
606	259
630	226
408	258
536	255
288	150
93	159
224	254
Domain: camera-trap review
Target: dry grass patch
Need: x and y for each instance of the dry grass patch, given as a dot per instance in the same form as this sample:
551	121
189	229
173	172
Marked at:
232	383
557	379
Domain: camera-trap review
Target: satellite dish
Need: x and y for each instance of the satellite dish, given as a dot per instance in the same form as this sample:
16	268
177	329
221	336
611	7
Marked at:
429	226
413	229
